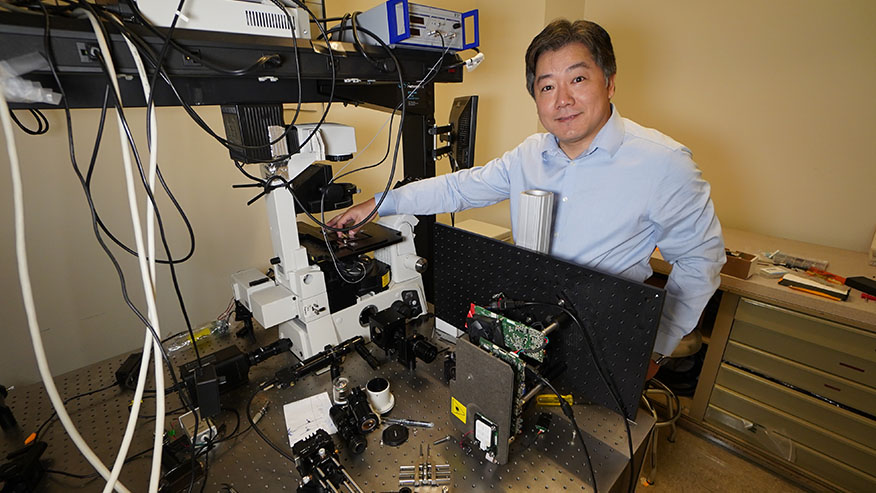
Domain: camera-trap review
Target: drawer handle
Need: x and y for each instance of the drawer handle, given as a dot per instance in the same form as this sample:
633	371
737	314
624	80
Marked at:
850	366
831	387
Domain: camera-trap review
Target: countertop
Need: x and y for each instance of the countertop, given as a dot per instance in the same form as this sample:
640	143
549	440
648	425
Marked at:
856	311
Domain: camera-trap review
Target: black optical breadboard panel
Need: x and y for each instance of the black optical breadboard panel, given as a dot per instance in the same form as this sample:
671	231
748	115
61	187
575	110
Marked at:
621	315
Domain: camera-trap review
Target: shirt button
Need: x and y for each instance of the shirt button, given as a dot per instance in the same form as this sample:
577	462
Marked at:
565	199
556	235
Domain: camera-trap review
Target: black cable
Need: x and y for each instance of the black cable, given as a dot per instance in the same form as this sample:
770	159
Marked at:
433	73
404	96
253	425
46	423
150	100
42	117
194	451
354	25
95	475
370	166
461	62
118	103
234	431
426	80
119	272
166	413
131	141
167	190
605	376
171	336
100	223
210	64
41	121
206	469
200	122
182	214
174	279
567	410
50	54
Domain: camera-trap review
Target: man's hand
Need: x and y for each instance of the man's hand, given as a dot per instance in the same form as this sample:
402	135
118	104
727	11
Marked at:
353	215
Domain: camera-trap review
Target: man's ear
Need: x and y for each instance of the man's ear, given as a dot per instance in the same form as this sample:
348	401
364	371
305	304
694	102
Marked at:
610	86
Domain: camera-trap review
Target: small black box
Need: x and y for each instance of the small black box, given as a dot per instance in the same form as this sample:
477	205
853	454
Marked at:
207	391
129	370
230	366
863	284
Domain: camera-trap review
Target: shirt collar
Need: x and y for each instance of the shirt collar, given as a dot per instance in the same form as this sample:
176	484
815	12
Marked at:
609	138
611	135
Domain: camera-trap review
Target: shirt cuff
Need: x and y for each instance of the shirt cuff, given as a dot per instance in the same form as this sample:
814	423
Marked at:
665	344
388	207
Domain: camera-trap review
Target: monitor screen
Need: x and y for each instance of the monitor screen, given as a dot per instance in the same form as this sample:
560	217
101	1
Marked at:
463	119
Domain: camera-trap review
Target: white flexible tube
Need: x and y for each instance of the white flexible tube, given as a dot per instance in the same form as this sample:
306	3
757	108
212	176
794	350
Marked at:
29	306
148	284
157	448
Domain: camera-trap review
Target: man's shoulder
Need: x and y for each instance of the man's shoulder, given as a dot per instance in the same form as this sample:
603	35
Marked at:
536	141
640	135
530	146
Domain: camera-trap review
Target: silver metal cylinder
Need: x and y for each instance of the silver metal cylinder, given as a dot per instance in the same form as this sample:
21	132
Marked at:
535	220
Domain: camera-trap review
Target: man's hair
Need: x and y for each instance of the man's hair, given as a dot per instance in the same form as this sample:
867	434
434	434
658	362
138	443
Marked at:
560	33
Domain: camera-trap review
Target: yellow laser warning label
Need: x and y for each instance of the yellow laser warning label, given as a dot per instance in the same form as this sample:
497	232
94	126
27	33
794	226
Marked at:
457	409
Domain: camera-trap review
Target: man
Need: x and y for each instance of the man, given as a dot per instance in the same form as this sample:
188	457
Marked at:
621	189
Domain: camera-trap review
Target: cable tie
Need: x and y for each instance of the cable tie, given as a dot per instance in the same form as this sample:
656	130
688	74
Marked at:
182	16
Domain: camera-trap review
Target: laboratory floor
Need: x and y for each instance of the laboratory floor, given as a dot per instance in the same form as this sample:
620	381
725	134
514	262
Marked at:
694	464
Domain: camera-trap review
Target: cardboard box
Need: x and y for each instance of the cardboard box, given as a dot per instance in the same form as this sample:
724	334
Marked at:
740	264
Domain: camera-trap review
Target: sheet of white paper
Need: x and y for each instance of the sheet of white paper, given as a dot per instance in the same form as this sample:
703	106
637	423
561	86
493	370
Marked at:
305	416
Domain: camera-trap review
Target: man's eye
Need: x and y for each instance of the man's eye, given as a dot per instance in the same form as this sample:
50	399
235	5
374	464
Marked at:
580	78
546	88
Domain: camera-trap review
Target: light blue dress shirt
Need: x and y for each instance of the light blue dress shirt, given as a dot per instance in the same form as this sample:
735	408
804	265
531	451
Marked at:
633	190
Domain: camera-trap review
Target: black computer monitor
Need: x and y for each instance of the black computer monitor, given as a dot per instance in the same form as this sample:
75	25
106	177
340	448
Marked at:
463	123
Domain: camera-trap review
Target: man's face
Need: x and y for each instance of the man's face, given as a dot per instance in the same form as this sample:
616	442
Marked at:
572	97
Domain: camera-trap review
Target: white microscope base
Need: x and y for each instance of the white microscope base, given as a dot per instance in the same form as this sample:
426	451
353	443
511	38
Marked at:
311	338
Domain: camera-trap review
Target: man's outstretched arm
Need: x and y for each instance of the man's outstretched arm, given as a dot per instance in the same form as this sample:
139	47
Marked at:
353	215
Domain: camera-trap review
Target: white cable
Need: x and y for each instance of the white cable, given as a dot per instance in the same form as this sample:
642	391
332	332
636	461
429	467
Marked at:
148	284
157	447
29	306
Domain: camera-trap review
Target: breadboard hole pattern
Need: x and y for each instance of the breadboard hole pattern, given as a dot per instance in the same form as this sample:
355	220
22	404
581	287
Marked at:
621	315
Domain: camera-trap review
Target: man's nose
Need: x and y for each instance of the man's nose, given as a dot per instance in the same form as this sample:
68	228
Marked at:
564	97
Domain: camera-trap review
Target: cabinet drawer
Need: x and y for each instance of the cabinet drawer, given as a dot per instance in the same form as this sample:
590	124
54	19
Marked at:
835	348
840	421
803	432
818	382
801	456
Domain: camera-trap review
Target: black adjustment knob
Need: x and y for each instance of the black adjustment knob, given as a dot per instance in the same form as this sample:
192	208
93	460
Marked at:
395	435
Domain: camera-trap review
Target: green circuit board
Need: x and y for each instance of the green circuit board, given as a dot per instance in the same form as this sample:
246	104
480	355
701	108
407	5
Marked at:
519	368
518	337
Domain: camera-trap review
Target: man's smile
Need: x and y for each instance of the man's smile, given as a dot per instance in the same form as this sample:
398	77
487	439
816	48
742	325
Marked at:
568	118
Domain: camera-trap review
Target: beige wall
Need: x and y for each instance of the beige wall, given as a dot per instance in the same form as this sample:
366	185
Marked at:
774	98
78	299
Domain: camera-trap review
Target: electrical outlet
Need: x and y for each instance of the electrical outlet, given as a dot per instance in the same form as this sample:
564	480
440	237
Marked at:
191	62
86	52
